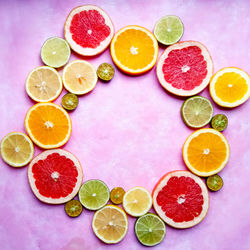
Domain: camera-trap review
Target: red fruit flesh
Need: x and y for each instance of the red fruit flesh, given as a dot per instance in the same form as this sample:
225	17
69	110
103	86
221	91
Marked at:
88	28
185	68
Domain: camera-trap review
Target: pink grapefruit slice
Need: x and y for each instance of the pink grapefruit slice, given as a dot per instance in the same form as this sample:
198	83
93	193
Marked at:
181	199
55	176
185	68
88	30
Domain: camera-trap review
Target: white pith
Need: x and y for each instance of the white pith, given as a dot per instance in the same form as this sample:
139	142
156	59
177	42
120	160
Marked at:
179	46
88	51
205	151
44	155
204	193
214	80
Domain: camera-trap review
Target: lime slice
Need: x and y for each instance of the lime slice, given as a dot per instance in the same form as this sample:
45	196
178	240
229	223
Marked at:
116	195
105	72
197	111
150	230
219	122
73	208
94	194
55	52
168	30
214	182
69	101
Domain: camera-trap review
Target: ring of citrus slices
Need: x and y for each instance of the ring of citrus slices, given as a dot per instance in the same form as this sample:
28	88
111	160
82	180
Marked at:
180	198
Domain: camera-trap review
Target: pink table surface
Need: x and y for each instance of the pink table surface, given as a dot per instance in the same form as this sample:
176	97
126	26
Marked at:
128	132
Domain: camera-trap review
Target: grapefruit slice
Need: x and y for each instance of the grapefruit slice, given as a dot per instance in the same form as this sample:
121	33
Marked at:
55	176
181	199
185	68
88	30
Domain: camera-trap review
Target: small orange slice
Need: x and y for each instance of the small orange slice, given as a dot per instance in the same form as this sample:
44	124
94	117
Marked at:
230	87
134	49
206	152
48	125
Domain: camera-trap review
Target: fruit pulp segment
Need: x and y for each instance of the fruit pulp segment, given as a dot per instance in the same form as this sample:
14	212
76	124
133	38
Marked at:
181	199
185	68
206	152
88	28
55	176
44	83
110	224
48	125
231	87
16	148
134	49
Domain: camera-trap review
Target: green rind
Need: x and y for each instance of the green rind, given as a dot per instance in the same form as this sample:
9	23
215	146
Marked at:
210	185
223	122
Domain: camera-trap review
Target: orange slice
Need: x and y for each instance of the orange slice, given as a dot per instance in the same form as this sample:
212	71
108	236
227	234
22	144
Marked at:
206	152
230	87
134	49
79	77
48	125
43	84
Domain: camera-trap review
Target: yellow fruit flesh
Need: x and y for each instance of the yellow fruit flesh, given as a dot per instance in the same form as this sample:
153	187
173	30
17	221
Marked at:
231	87
206	152
134	49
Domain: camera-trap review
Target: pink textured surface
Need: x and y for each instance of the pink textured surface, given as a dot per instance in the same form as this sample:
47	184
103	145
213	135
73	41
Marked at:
128	132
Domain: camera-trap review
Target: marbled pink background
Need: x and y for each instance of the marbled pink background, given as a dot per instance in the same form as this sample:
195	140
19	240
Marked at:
128	132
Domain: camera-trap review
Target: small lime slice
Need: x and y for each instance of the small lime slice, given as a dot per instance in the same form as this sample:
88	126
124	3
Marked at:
150	230
197	111
214	182
69	101
94	194
55	52
116	195
73	208
168	30
219	122
105	72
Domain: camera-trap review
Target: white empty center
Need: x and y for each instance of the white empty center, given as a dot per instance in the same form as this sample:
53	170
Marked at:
133	50
135	201
54	52
17	149
150	230
43	83
55	175
169	30
196	112
94	194
230	85
111	223
181	199
89	32
206	151
185	68
49	124
78	76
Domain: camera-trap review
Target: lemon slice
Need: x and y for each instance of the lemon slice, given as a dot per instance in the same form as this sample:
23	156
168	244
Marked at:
55	52
43	84
137	201
17	149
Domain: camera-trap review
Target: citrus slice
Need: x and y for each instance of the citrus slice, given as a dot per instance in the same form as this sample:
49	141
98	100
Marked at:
110	224
70	101
134	50
230	87
197	111
137	201
94	194
206	152
43	84
73	208
48	125
150	230
219	122
168	30
79	77
55	176
55	52
16	149
181	199
88	30
105	72
185	68
116	195
214	182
